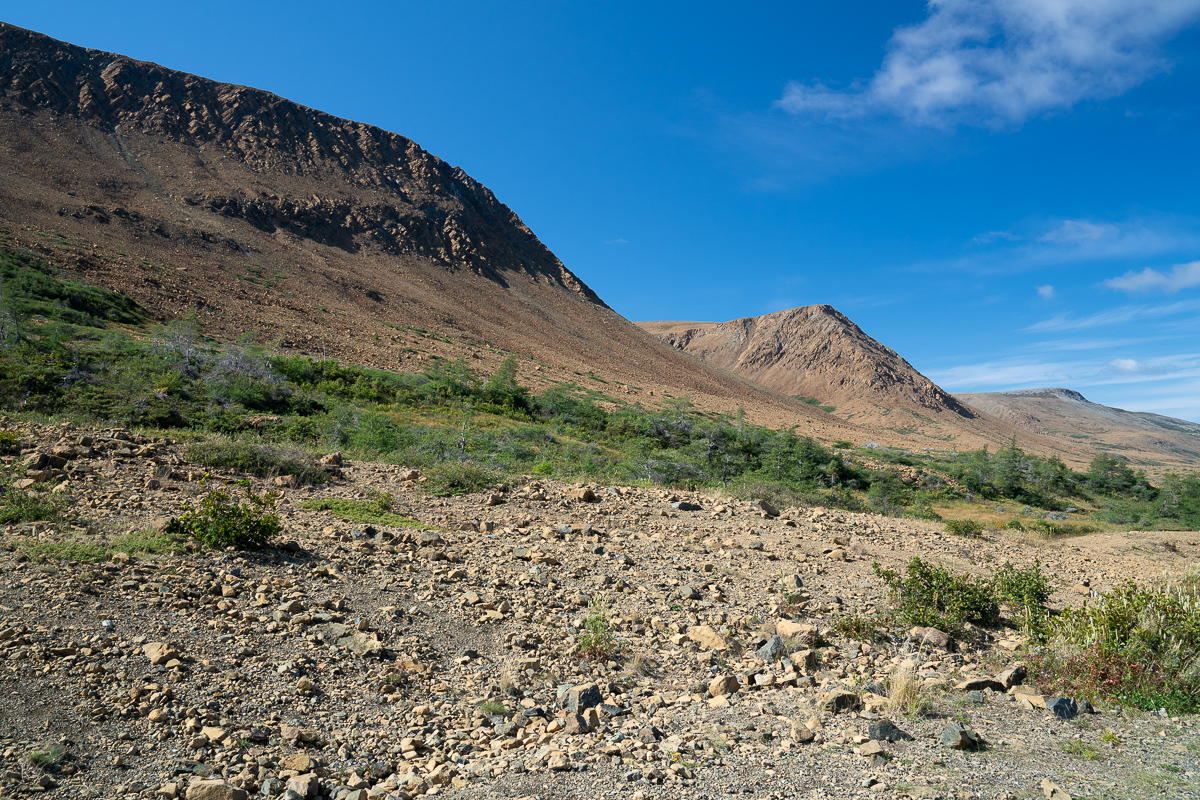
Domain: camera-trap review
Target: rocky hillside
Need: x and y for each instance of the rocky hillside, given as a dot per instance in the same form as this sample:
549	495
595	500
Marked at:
1063	413
319	234
812	351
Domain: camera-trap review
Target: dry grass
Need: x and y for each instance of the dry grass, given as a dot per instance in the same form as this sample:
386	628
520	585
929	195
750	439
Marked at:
907	693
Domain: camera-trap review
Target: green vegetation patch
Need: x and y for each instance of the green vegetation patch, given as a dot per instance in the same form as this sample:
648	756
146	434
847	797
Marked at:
1137	646
377	511
91	548
262	460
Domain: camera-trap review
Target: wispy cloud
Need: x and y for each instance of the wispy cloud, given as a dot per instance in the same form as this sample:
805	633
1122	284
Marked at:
616	241
1000	62
1046	292
1043	243
995	236
1025	372
1114	316
1076	239
1182	276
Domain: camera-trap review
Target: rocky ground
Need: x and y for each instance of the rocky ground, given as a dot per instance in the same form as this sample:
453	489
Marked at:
444	657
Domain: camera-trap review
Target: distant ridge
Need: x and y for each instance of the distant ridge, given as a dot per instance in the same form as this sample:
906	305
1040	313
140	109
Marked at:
1067	414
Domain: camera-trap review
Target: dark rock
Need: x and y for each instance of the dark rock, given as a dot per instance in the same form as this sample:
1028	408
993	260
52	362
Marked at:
1062	707
685	506
886	731
581	698
959	738
772	649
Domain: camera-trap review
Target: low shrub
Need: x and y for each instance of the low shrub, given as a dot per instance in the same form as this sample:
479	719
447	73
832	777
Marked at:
964	527
1135	646
929	595
1026	592
87	548
261	460
220	521
859	626
598	642
31	504
46	757
454	478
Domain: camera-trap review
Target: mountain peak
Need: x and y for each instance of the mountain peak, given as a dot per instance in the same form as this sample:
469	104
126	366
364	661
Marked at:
815	352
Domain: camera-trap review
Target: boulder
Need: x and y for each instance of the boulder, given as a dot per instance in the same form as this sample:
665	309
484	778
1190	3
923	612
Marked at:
839	700
886	731
1062	707
773	649
933	637
723	685
707	638
215	790
580	698
958	737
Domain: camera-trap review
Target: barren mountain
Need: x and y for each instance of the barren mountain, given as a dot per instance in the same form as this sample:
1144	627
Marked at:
815	352
317	233
330	237
1148	439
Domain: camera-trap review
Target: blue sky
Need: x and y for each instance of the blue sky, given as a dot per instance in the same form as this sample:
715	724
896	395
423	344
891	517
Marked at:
1003	191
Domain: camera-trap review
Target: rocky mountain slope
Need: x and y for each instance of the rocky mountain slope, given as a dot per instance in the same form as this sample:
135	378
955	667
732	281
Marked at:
812	351
318	234
817	354
1067	414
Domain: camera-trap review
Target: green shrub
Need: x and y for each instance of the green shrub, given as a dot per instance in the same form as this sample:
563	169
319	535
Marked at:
47	757
1026	592
1134	646
1014	524
842	444
964	527
598	642
261	460
858	626
929	595
454	478
219	521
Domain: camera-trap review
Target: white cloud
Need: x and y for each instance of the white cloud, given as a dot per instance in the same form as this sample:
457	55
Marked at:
1126	366
617	241
993	236
1046	292
1000	62
1182	276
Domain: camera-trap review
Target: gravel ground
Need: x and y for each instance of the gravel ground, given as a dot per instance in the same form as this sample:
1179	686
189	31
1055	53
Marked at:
443	658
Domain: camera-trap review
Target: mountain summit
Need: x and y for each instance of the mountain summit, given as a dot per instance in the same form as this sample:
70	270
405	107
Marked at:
814	352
